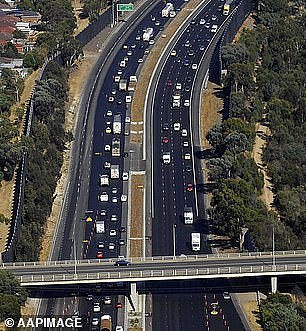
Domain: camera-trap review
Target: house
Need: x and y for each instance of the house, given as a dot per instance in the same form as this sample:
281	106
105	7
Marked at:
28	16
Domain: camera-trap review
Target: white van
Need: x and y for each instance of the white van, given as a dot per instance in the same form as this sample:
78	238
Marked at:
100	226
214	28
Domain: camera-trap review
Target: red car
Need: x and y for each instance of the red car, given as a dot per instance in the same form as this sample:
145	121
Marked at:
169	83
118	305
165	140
189	187
99	255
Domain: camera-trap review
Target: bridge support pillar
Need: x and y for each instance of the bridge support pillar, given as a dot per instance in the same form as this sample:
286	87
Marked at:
273	284
135	299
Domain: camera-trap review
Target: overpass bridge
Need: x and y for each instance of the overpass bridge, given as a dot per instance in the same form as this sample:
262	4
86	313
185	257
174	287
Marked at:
78	272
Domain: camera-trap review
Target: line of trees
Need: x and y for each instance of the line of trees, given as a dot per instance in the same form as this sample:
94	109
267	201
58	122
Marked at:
266	80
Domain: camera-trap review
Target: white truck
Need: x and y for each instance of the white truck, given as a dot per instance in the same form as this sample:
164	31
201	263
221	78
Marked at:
188	215
104	180
147	34
117	124
176	99
115	147
168	8
195	241
132	83
166	157
115	171
106	323
122	85
100	226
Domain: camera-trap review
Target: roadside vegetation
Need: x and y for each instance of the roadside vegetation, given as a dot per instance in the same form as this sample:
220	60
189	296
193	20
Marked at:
12	296
265	82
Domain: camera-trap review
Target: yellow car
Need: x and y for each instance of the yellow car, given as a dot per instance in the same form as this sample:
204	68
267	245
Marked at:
173	53
108	130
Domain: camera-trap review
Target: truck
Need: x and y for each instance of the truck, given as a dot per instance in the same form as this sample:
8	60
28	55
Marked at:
147	34
106	323
104	180
115	171
115	147
176	99
188	215
122	85
132	83
227	7
166	157
100	226
168	8
195	241
117	124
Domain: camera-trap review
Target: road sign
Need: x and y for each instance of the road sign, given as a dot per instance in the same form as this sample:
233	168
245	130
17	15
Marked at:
125	7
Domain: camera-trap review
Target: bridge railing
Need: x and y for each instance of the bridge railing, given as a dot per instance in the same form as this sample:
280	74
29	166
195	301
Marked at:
187	258
138	275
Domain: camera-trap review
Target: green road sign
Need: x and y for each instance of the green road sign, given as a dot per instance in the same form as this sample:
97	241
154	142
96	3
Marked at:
125	7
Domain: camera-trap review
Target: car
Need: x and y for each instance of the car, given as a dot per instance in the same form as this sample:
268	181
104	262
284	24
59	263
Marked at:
208	39
178	60
119	328
157	23
111	246
95	321
122	64
117	79
165	126
107	300
89	297
128	99
151	42
126	154
122	229
177	126
184	133
114	199
107	165
103	197
187	103
169	83
103	212
189	187
193	22
113	92
214	28
188	169
187	43
202	48
88	219
140	60
214	17
96	307
186	62
113	233
202	21
118	305
133	46
187	88
122	263
138	37
126	59
107	148
109	113
185	144
187	156
147	51
125	46
194	66
141	46
99	255
100	245
123	198
127	119
207	25
119	102
165	140
153	19
121	242
110	98
198	39
173	52
119	72
191	52
226	296
188	79
178	86
161	28
125	176
126	131
108	130
114	190
114	218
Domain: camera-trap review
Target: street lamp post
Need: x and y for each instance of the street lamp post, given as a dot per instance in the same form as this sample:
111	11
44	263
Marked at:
273	249
174	239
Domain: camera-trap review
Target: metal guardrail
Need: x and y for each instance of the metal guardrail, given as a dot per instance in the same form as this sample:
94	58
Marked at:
179	258
136	275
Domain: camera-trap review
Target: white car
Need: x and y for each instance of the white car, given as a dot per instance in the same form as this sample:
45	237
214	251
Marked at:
140	60
125	176
151	42
185	144
202	21
126	59
128	99
122	64
109	113
104	197
133	46
114	218
214	17
214	28
184	133
129	53
119	328
96	307
177	126
111	246
119	72
137	37
187	156
114	199
147	51
113	233
117	79
107	148
95	321
187	103
110	98
194	66
127	119
107	301
178	86
107	165
123	198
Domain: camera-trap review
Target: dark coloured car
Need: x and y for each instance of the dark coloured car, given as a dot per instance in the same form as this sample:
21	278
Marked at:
189	187
188	169
122	229
191	52
165	140
166	127
186	62
188	80
122	263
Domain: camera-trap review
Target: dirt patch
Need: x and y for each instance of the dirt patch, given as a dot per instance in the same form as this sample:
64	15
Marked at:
78	9
251	310
136	216
248	24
